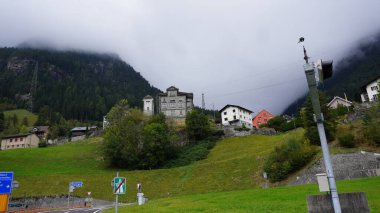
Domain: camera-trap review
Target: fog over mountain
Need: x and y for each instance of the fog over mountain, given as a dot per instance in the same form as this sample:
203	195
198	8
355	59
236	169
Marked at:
236	52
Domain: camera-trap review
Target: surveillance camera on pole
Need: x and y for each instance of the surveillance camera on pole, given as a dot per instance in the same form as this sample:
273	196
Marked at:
325	71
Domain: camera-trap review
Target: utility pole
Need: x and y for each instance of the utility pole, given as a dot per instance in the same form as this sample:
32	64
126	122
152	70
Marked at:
318	117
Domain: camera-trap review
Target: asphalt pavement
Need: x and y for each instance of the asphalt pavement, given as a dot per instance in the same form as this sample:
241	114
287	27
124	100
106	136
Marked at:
84	210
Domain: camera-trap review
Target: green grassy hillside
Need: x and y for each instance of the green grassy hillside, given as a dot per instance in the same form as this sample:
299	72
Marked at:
279	199
233	164
21	113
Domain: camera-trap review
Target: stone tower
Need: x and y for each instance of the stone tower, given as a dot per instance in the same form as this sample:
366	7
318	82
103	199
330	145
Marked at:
148	105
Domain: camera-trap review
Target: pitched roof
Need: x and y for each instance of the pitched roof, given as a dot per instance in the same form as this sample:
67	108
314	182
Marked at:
16	136
173	88
230	105
339	98
369	82
39	129
148	97
262	111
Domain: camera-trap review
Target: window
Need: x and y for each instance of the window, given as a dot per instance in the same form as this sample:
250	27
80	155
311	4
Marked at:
147	108
16	139
234	117
18	145
22	145
265	120
10	140
375	98
225	113
240	116
225	119
233	110
172	101
265	114
21	139
239	110
374	88
148	101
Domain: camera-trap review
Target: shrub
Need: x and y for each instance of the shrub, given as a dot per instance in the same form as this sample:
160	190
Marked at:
42	144
347	140
191	153
288	158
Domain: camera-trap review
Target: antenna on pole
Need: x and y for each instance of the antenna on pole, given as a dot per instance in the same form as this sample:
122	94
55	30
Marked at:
306	58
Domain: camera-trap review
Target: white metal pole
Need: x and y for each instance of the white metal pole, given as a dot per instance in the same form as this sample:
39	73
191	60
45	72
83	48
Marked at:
313	91
68	198
117	196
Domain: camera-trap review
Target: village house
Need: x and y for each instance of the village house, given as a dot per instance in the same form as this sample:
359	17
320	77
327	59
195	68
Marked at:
236	115
336	101
41	131
370	91
173	103
261	118
19	141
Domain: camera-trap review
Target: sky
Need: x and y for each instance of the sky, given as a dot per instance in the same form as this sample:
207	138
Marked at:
241	52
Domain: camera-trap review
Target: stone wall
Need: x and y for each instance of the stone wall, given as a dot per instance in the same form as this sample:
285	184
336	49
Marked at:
229	131
346	166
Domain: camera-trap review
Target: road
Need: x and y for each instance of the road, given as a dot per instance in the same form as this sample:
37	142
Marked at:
84	210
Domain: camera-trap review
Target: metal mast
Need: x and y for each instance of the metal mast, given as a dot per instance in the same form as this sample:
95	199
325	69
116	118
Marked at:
313	91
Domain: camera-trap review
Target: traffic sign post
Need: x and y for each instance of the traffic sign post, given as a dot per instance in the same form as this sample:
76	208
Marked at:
6	179
6	182
72	186
119	187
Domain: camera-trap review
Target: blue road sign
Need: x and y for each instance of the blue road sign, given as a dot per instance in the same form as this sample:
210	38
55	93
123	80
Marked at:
76	184
6	179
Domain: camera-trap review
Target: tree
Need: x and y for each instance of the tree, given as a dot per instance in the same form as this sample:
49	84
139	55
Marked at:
25	121
197	125
2	121
14	120
311	131
135	141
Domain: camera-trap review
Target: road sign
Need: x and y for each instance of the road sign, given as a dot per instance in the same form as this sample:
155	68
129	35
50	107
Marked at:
119	185
76	184
6	179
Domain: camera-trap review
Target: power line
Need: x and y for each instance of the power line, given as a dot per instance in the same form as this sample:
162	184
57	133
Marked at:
257	88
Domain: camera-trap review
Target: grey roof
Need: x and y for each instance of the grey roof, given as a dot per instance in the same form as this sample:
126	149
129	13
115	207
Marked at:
173	88
369	82
39	129
81	128
148	97
230	105
16	136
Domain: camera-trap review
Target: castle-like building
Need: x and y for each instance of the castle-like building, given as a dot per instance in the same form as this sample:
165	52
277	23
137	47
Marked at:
173	103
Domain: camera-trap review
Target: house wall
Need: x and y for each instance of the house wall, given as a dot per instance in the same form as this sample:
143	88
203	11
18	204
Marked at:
261	118
337	102
373	91
236	113
148	106
18	142
175	106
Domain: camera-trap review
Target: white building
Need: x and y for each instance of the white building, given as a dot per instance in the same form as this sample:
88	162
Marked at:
236	115
148	105
336	101
371	91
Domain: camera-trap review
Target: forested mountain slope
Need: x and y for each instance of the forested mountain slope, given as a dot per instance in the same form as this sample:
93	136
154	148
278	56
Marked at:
79	85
